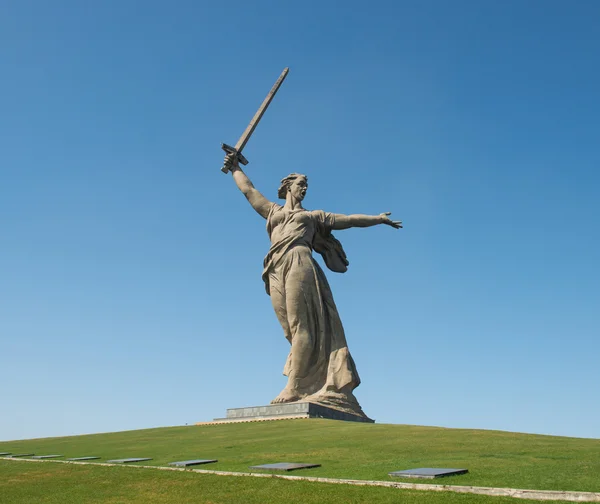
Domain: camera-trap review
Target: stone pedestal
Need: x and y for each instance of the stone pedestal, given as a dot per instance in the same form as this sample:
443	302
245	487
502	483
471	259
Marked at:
289	410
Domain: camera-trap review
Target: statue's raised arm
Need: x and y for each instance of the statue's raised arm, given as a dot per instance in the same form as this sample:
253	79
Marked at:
261	204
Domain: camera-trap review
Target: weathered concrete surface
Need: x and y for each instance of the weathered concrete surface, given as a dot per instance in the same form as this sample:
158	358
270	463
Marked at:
300	409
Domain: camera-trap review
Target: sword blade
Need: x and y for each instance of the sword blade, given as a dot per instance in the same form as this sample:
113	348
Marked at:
241	143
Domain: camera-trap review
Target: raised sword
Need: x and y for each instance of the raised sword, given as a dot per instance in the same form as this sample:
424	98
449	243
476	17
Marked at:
241	143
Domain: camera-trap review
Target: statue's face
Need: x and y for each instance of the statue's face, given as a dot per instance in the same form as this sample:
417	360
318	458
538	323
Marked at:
299	188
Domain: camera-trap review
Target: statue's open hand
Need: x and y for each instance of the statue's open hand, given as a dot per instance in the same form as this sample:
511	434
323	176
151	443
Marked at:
386	220
231	162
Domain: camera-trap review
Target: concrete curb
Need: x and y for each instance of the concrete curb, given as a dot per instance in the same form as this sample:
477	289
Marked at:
542	495
222	421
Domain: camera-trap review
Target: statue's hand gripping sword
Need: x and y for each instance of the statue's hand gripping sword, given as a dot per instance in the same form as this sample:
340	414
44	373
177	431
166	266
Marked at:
241	143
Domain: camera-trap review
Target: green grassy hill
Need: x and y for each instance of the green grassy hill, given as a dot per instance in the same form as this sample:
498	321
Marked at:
345	450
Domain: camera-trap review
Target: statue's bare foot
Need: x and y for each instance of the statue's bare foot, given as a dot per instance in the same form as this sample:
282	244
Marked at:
286	395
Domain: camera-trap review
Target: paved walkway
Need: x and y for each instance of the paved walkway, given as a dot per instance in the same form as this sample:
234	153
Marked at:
542	495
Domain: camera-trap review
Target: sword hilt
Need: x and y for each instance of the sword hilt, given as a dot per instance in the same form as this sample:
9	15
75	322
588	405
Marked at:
232	150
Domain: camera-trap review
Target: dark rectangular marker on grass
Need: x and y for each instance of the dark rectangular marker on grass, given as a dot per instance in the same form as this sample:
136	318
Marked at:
428	472
22	455
186	463
127	460
80	459
42	457
284	466
4	454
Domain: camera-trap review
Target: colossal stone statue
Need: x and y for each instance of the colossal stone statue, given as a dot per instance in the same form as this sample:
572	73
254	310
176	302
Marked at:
319	366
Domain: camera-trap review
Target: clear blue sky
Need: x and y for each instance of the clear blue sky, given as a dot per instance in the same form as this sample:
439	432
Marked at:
130	289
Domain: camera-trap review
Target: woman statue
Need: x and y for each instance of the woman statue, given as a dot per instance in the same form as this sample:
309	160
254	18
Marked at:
319	367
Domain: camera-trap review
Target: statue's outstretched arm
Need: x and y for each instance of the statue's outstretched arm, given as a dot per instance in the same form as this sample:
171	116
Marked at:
261	204
342	221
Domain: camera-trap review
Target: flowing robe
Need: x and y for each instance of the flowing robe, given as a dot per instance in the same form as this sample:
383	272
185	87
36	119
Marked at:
319	366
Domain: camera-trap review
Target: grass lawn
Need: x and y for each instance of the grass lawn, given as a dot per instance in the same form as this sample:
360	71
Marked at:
345	450
48	483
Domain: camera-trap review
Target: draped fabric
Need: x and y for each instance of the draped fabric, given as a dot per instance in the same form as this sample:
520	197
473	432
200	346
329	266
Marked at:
319	363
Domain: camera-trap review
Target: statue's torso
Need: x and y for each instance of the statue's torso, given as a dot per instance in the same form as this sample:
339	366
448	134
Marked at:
297	226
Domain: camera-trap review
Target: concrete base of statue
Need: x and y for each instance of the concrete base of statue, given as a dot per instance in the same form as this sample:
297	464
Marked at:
300	409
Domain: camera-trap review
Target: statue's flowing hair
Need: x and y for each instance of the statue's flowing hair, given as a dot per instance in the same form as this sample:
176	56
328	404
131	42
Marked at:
287	182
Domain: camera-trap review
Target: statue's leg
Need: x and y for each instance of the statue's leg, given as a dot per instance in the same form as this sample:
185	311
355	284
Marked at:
278	300
298	305
308	325
279	305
